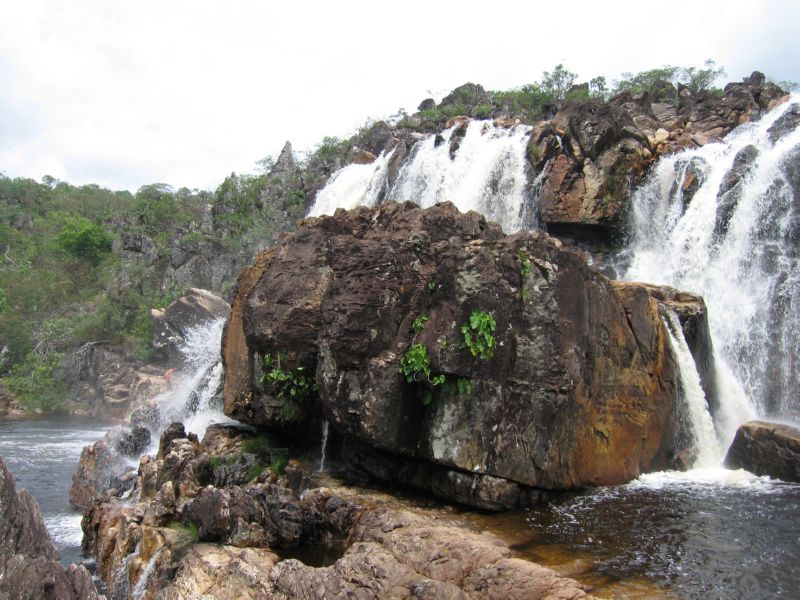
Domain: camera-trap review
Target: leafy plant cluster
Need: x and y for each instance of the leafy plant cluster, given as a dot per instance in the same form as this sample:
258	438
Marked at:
292	386
415	364
478	334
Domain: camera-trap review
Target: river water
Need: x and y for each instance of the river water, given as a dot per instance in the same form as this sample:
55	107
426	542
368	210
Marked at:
42	455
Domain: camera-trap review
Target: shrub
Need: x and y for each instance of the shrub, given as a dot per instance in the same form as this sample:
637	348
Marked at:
84	240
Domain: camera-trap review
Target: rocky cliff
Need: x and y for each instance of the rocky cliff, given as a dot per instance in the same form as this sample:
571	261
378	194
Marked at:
29	562
579	388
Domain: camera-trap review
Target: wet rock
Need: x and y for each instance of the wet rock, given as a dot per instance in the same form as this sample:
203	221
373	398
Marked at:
692	314
787	123
730	189
29	562
102	466
340	295
766	449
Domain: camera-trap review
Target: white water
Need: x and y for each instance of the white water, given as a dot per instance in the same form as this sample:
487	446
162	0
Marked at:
141	584
352	186
324	446
694	399
194	398
748	274
488	174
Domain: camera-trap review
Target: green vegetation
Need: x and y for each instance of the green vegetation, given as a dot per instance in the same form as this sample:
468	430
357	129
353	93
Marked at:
415	364
187	534
267	457
419	323
293	386
658	81
478	336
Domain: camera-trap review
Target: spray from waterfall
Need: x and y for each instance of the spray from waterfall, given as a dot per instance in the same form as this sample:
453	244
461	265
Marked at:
724	221
477	166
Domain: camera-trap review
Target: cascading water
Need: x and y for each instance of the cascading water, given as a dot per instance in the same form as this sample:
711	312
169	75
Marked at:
324	446
734	240
194	398
695	406
485	170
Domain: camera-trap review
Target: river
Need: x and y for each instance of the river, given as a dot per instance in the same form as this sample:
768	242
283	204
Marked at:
42	455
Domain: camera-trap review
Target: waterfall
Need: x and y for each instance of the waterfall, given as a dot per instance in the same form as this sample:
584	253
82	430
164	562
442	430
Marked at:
324	446
478	167
354	185
141	585
695	408
723	221
195	397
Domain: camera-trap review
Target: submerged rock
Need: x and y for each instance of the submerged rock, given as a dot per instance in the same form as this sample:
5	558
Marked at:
29	562
766	449
580	389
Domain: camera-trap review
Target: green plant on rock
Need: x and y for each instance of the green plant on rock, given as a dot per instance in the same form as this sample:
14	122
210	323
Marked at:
419	323
187	534
478	334
415	364
292	386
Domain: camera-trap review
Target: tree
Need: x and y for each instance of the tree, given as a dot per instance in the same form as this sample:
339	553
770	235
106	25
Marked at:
557	83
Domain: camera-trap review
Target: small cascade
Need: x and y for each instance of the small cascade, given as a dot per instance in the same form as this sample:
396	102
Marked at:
324	447
141	585
695	407
723	221
478	167
122	579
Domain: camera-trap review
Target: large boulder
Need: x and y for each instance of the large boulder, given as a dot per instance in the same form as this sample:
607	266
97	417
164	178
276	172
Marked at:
580	390
29	562
766	449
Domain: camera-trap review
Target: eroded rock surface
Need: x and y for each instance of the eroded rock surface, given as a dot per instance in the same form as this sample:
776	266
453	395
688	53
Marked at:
29	562
580	390
175	539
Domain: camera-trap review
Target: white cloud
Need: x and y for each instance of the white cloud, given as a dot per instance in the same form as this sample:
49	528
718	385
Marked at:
184	92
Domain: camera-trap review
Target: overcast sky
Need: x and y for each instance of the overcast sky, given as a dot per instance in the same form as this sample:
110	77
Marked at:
185	91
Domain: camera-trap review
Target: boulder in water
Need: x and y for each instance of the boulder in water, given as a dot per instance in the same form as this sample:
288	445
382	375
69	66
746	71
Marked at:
580	389
766	449
29	562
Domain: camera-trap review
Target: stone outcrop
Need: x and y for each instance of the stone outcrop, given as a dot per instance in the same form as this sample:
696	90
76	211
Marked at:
109	383
580	390
178	540
29	562
172	324
766	449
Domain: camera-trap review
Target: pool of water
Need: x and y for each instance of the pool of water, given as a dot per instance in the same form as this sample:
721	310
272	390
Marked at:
701	534
42	455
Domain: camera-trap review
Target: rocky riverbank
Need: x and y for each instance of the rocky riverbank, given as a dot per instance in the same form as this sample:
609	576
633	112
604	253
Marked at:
29	562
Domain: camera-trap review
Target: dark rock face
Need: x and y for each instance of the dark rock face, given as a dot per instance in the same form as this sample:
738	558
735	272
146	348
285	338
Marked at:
29	562
172	324
551	409
766	449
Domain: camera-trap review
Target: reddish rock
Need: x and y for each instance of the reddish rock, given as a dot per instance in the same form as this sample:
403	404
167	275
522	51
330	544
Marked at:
766	449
